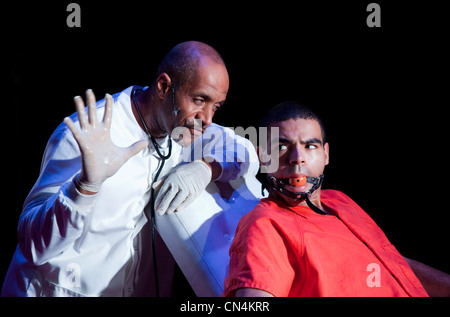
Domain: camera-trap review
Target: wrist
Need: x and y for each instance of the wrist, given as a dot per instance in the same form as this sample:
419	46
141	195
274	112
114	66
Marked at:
77	200
85	187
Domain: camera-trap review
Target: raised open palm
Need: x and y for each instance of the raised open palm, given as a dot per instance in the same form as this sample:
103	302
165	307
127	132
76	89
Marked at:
101	158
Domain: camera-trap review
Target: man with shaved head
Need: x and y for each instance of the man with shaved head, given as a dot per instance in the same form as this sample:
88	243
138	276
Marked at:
87	225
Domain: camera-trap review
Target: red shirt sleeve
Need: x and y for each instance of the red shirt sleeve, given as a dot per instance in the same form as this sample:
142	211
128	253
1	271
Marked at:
259	256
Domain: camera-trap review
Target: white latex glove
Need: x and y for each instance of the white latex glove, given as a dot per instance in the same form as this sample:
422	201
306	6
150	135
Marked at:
100	157
184	184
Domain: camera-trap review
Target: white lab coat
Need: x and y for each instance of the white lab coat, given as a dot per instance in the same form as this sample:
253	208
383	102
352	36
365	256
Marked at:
199	236
77	245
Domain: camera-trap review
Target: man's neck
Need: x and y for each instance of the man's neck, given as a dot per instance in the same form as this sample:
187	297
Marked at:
315	199
144	101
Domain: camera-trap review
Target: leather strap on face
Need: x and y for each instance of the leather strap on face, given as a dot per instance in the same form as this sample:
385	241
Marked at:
279	186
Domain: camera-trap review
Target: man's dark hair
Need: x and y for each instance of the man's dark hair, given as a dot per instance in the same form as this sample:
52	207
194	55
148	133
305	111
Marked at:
291	110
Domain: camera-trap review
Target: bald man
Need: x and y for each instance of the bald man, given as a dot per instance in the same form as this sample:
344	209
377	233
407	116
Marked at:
86	226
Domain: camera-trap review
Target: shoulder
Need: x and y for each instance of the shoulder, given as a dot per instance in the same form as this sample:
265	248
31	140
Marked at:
217	130
265	219
229	133
337	197
345	206
334	194
265	209
124	96
268	232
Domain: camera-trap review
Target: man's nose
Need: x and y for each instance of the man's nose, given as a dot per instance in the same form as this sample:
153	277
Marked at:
296	157
206	116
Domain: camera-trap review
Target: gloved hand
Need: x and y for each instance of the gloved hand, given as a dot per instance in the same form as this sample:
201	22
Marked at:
185	183
100	157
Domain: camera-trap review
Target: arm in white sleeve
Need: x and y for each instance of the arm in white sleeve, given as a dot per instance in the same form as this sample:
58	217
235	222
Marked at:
186	181
54	211
225	147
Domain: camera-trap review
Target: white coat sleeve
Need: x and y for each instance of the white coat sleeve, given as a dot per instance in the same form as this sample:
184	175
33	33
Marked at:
225	147
54	211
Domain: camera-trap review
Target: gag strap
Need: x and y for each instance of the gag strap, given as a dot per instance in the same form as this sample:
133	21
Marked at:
278	185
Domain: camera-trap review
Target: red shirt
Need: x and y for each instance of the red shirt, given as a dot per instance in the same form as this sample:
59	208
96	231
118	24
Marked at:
293	251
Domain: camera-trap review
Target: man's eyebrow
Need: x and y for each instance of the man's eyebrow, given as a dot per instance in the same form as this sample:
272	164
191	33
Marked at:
312	141
202	94
207	97
307	141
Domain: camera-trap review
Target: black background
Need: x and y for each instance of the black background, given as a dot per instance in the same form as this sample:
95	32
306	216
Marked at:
381	91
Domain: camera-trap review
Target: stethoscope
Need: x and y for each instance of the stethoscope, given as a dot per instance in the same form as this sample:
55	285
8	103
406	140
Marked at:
152	190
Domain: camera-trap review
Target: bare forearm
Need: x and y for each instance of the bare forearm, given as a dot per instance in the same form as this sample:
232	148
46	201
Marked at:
435	282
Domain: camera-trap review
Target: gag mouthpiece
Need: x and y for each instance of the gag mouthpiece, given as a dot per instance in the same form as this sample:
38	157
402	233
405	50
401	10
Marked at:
297	181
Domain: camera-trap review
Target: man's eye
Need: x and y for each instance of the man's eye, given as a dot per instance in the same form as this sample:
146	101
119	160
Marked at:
199	101
310	146
282	147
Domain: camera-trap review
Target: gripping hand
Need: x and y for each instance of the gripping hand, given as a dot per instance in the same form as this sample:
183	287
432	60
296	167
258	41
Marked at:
185	183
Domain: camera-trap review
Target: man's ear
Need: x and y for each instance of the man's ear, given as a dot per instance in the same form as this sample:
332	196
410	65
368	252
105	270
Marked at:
262	155
163	84
326	148
264	160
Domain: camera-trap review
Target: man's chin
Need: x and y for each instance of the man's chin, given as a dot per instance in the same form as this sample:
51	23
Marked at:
185	136
186	140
